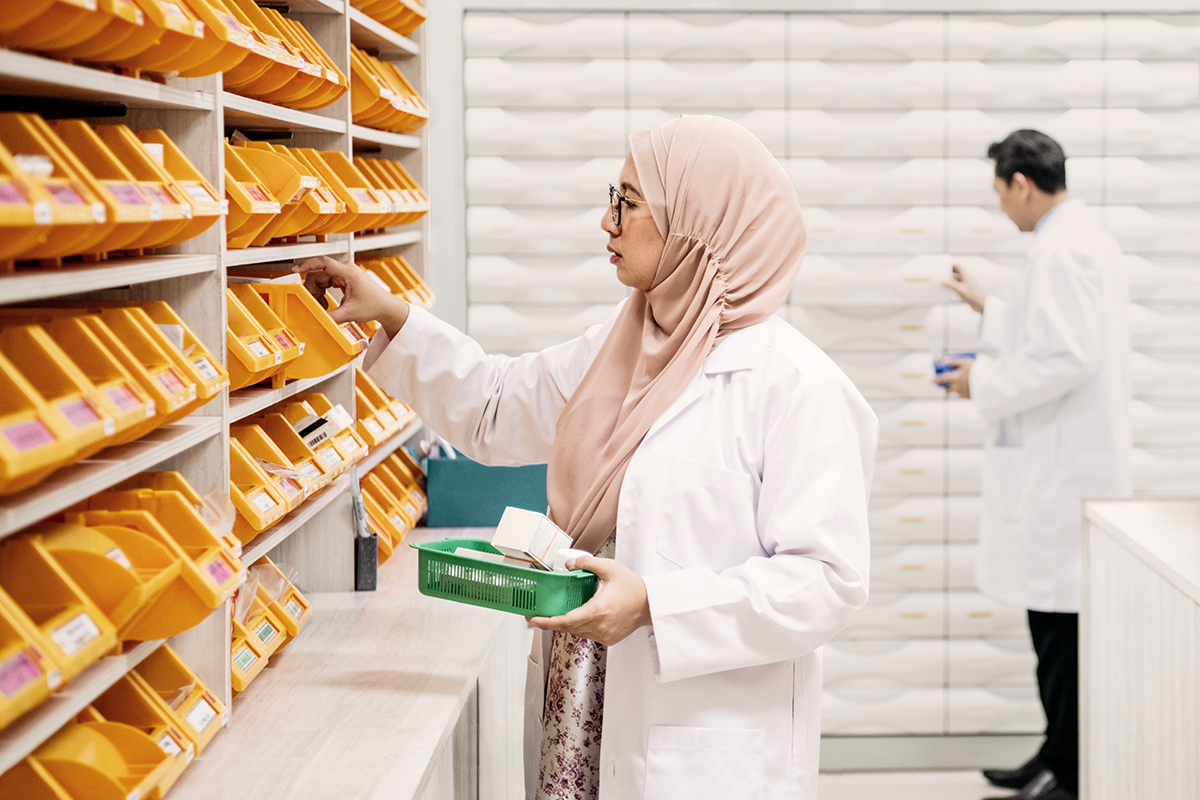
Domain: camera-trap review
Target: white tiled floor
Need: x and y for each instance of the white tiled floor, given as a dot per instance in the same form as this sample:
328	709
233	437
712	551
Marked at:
906	786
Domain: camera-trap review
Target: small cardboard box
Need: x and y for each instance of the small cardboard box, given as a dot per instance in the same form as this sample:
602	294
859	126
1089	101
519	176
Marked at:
530	536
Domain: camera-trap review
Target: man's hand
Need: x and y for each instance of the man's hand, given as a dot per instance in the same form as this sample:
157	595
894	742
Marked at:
363	300
957	381
967	288
618	608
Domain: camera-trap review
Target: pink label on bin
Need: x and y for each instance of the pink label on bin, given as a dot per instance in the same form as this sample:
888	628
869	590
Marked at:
258	194
28	435
218	570
171	381
123	398
65	195
127	194
18	672
158	195
284	341
79	413
289	486
11	196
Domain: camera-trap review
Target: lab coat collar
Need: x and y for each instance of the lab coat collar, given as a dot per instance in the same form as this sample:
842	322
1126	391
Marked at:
1073	203
739	351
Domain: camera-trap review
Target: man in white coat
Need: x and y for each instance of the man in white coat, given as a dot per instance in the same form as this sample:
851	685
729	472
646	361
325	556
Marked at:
1056	400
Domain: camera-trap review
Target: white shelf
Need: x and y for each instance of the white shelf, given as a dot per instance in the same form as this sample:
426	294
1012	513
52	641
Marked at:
361	133
317	6
370	34
378	241
390	445
257	115
269	539
284	252
23	736
40	283
113	465
245	402
24	74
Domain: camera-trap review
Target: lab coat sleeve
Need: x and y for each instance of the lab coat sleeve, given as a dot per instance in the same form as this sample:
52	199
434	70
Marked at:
811	518
495	409
993	327
1063	337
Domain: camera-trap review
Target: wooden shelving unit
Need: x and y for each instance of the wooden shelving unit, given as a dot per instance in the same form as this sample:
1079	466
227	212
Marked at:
313	542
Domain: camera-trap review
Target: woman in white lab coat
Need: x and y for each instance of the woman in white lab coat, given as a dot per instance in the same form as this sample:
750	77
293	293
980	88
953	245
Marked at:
716	455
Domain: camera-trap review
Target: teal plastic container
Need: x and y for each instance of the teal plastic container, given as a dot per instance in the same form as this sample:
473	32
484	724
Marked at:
517	590
465	494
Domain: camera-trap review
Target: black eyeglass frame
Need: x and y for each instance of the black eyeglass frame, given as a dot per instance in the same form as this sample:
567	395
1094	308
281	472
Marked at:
615	199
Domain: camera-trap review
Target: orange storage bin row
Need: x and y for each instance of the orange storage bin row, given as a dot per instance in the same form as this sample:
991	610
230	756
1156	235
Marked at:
78	378
400	279
134	740
281	193
261	53
402	16
277	331
381	97
268	614
280	457
394	496
68	188
136	562
380	416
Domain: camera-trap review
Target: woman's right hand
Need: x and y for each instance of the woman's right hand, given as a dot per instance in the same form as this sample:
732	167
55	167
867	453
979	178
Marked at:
363	300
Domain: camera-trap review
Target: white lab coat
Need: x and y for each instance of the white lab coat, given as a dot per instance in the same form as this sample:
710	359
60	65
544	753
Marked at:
1056	399
744	509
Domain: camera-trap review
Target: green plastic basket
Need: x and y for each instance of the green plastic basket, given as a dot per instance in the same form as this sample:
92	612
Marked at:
518	590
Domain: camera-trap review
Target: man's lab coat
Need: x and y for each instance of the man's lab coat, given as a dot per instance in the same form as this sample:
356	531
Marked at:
745	511
1056	400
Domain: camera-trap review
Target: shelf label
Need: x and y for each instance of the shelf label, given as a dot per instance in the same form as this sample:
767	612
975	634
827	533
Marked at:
27	435
373	426
118	555
294	608
244	658
329	456
17	672
263	501
259	349
151	409
219	571
79	413
310	471
171	381
203	713
198	193
169	745
206	369
399	522
191	391
265	632
75	634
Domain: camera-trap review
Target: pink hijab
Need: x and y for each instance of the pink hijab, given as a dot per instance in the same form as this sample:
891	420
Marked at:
734	238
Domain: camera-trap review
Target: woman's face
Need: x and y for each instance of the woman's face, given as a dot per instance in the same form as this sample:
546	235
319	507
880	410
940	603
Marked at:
636	245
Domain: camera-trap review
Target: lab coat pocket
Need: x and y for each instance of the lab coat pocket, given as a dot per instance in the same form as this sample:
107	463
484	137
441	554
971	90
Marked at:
704	763
708	516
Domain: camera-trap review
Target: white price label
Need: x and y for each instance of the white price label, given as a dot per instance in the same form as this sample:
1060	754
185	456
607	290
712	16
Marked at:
263	501
78	631
155	212
330	456
201	715
310	471
151	409
206	369
259	350
42	213
168	745
99	212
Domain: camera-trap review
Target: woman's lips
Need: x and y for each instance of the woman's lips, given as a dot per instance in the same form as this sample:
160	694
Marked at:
614	257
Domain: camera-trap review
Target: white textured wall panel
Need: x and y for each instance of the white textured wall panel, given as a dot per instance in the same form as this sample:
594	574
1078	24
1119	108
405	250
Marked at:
706	37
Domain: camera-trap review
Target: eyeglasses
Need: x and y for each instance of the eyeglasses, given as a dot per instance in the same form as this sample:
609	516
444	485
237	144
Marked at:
615	199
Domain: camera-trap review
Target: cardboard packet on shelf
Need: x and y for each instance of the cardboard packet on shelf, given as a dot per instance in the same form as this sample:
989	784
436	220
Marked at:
497	558
530	536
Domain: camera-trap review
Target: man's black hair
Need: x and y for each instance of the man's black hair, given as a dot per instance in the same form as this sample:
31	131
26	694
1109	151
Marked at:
1033	154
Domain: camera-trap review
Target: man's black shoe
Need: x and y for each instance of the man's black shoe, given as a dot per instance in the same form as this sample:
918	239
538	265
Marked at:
1014	778
1044	786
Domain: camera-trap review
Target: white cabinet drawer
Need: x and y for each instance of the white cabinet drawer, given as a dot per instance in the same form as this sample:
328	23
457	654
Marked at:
855	37
888	280
1152	328
960	566
995	710
898	615
962	517
913	328
1165	376
919	423
969	180
706	36
545	132
1174	424
501	329
1151	84
706	83
912	567
882	712
839	229
599	83
544	35
991	663
890	375
921	470
1132	181
991	38
542	279
1026	84
964	424
492	180
769	125
495	230
974	229
1156	132
918	662
908	519
1163	230
973	615
1079	130
1152	37
867	84
868	182
1166	471
859	133
1163	278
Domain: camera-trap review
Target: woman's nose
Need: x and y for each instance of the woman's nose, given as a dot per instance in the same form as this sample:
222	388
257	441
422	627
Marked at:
606	224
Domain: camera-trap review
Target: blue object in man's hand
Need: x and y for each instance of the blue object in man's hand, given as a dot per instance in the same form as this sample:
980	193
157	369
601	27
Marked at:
941	364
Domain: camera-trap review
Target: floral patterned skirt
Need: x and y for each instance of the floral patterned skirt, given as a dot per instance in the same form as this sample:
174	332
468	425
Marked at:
574	715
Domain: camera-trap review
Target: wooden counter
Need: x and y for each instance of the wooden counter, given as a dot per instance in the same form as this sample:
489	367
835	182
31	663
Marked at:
386	694
1139	651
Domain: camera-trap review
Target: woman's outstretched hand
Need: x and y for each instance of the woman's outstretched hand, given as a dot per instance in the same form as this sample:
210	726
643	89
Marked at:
363	300
618	608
